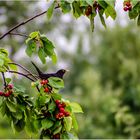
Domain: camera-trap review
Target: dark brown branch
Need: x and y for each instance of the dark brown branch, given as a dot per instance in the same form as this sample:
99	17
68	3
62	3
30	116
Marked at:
22	23
4	81
19	73
23	68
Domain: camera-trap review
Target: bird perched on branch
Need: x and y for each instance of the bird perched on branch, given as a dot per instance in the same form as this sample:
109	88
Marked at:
60	73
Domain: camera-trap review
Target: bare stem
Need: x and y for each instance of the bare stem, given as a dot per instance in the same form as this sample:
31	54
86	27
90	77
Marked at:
19	73
4	81
23	23
29	73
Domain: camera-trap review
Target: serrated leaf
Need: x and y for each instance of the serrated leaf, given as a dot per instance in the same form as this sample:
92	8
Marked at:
56	82
68	123
42	55
57	130
54	58
50	10
52	106
65	6
34	34
111	11
46	123
102	19
76	9
1	62
90	2
76	108
19	125
11	106
56	96
31	47
74	122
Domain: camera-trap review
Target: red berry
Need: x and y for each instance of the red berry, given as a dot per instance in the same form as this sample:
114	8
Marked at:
46	89
88	10
60	106
129	8
125	9
10	92
57	116
63	105
10	86
61	115
62	110
67	114
6	94
56	136
1	93
46	81
57	102
128	3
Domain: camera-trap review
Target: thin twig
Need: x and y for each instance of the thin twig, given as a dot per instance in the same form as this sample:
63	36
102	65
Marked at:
23	68
19	73
24	22
4	81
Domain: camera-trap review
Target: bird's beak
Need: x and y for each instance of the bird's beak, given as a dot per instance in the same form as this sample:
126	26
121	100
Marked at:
67	70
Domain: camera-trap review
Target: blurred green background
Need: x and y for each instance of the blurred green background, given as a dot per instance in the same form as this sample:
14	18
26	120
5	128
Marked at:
104	68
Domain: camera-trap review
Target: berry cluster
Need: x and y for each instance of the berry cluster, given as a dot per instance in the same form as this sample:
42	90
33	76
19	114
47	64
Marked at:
127	6
88	10
44	83
62	112
8	91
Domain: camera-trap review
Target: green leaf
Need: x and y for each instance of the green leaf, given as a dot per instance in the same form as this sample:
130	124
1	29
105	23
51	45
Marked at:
8	80
56	96
90	2
50	10
76	108
34	35
91	17
18	115
102	18
42	100
42	55
3	108
103	4
46	123
31	47
54	58
52	106
11	106
65	135
76	9
65	6
138	20
56	82
13	67
68	123
1	62
111	11
19	125
74	122
57	130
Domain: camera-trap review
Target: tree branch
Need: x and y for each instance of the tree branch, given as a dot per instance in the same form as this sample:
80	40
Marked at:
19	73
4	82
22	23
29	73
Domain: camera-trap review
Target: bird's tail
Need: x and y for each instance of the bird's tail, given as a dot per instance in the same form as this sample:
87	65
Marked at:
38	70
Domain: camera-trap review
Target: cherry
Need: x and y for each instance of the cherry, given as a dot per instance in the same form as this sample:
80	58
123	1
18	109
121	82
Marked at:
60	106
46	89
67	114
88	10
127	3
57	116
44	82
1	93
63	105
61	115
57	102
62	110
10	86
129	8
56	136
125	9
6	94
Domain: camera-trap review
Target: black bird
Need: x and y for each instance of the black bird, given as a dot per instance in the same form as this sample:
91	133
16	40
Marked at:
60	73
